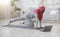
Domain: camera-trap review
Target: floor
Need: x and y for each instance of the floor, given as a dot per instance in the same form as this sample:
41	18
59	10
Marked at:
27	32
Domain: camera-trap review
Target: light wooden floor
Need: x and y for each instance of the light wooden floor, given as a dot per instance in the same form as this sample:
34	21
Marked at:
25	32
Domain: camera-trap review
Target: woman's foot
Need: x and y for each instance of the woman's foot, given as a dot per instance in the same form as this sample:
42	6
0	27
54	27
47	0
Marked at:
39	28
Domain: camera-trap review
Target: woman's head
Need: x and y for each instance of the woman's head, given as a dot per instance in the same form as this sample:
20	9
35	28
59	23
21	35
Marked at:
42	8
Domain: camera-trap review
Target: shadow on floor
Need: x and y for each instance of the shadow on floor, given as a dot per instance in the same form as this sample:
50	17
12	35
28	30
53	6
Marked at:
18	26
44	29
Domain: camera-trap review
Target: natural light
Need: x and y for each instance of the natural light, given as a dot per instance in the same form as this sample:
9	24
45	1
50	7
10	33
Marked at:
53	12
4	2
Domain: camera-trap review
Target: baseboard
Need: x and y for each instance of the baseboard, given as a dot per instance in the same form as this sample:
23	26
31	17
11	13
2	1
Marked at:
51	21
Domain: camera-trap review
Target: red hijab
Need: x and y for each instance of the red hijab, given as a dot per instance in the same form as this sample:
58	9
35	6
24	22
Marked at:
40	12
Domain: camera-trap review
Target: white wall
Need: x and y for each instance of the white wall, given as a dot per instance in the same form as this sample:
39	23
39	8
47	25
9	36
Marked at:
25	5
5	9
1	12
51	14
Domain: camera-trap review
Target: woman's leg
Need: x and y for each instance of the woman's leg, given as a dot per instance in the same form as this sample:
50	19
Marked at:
17	19
38	25
29	22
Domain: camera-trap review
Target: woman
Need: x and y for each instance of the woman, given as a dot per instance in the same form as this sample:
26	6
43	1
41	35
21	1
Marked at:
38	14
